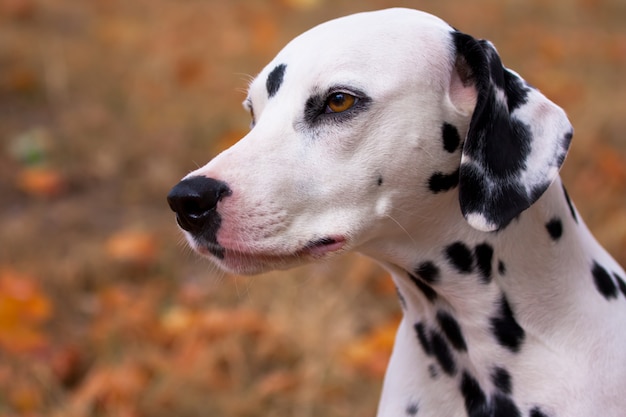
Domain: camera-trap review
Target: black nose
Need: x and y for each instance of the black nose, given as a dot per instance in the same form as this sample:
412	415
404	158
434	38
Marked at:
194	201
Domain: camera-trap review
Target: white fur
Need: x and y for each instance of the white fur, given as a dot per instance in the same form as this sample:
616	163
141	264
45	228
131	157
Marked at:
292	184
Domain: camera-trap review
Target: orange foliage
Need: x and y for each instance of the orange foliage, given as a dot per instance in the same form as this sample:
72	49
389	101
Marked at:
264	34
370	354
132	247
277	382
302	4
610	164
21	79
24	397
142	330
228	139
41	182
24	309
189	71
112	390
18	9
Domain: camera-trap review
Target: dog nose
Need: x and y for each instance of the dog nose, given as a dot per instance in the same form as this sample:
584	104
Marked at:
194	201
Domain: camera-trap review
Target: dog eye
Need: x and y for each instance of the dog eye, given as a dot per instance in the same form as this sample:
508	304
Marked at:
339	102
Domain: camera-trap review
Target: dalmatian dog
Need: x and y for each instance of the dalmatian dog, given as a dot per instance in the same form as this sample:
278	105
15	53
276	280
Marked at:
393	134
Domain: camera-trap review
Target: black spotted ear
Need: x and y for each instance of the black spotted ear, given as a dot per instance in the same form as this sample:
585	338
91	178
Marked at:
516	142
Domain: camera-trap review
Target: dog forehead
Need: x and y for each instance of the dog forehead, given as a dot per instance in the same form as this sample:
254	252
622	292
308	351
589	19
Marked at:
388	24
361	45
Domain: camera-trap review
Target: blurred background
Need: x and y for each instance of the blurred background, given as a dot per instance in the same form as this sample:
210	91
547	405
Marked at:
105	104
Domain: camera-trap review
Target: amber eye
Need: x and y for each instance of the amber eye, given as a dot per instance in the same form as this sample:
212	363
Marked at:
340	102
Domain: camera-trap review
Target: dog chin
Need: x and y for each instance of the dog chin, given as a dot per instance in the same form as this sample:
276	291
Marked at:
251	263
242	264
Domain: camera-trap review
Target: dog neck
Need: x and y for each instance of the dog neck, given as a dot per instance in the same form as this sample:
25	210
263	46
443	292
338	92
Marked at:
523	272
480	307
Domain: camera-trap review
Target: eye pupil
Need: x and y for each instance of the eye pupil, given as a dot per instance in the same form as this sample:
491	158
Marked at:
339	102
338	99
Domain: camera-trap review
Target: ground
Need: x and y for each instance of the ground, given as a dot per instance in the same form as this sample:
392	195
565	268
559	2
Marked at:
105	104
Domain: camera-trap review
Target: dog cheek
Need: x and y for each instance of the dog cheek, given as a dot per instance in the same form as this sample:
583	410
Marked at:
383	207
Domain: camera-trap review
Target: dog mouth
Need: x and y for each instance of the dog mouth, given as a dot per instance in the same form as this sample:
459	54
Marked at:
320	247
250	262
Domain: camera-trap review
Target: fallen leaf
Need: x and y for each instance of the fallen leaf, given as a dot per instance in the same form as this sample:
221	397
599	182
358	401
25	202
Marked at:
228	139
616	49
177	320
552	48
302	4
120	31
188	71
218	322
41	182
264	35
370	353
68	364
611	164
133	247
18	9
24	308
277	382
114	389
25	398
20	79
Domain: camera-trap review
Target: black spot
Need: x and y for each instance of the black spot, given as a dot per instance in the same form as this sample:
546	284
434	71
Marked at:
499	205
379	180
484	255
502	380
432	371
506	329
570	205
452	330
442	353
620	283
477	405
423	338
451	137
507	155
501	268
502	406
428	271
555	228
516	90
460	257
426	289
603	281
275	79
536	412
439	181
412	409
475	400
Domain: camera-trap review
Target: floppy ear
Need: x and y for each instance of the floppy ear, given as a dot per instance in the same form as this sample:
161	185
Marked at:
516	142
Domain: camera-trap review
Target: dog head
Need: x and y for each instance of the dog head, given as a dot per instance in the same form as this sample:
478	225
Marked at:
359	127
